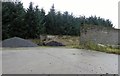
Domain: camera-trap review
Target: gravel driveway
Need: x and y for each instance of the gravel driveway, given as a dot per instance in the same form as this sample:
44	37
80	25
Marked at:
50	60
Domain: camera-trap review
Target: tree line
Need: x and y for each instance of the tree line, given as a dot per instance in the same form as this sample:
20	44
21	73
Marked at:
33	22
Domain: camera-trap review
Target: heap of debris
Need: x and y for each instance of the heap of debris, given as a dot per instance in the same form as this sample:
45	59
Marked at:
18	42
54	43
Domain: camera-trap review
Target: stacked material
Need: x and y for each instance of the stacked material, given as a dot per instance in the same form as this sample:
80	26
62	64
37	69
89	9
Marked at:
18	42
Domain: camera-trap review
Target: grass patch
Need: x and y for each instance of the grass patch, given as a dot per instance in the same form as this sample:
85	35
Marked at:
36	41
95	47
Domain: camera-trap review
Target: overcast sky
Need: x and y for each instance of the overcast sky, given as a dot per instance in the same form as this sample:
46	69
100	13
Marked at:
107	9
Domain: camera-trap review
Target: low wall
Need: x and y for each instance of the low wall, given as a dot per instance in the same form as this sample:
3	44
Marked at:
100	36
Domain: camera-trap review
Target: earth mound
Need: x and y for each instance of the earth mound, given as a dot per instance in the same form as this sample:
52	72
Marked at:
54	43
18	42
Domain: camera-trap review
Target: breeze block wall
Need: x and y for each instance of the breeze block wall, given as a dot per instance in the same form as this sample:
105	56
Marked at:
99	35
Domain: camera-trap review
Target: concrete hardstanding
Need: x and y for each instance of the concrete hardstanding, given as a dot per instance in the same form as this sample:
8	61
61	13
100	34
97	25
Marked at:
57	61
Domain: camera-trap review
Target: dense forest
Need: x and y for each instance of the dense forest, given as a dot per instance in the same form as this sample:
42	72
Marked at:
33	22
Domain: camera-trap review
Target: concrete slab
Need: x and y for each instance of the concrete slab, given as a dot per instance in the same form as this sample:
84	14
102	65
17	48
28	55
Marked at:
57	61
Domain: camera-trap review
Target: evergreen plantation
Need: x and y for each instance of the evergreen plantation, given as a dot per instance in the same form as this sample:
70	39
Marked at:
33	22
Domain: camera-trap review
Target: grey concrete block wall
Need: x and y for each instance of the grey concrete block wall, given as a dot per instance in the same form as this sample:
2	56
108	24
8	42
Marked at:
100	36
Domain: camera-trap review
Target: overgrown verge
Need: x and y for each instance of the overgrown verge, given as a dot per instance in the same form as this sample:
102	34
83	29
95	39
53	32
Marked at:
99	47
73	42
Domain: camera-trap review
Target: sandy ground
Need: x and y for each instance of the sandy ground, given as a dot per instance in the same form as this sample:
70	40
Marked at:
48	60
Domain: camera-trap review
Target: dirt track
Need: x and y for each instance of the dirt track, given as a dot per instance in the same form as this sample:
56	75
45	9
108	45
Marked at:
57	61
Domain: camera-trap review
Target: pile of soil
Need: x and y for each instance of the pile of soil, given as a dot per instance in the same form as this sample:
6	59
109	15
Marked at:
54	43
18	42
